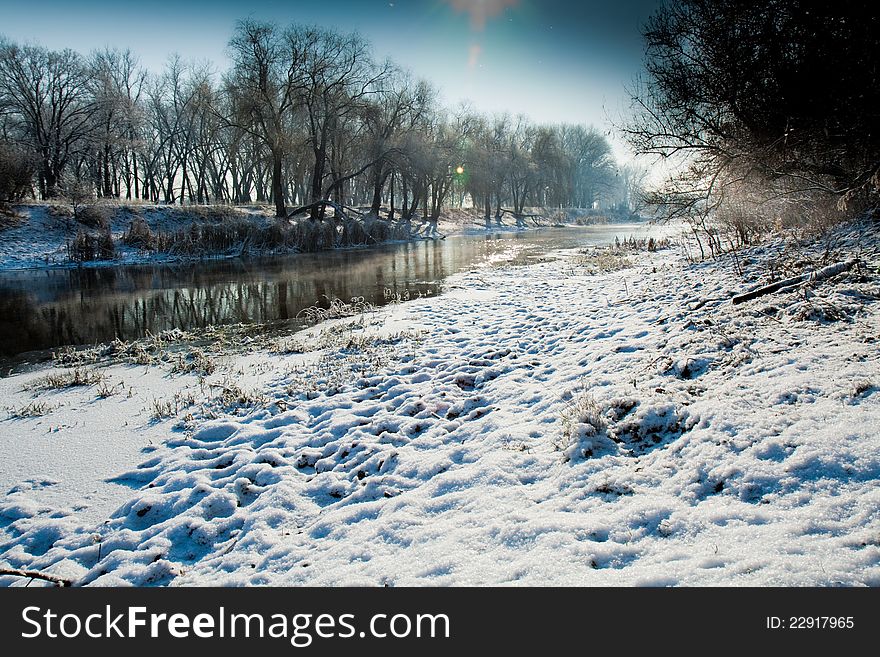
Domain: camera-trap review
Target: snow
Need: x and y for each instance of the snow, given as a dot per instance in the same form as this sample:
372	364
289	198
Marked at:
66	460
40	238
533	425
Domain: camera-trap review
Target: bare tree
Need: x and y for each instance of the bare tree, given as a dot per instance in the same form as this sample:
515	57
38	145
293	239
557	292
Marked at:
390	121
592	168
341	79
117	82
266	84
47	93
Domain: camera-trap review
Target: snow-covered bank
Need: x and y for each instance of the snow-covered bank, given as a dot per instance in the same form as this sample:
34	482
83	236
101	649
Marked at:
39	236
534	425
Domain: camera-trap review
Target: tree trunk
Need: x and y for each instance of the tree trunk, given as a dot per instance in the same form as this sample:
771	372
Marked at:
425	199
404	194
378	186
391	199
278	187
108	186
817	275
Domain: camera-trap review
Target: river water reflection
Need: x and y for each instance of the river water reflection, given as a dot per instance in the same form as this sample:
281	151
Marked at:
42	310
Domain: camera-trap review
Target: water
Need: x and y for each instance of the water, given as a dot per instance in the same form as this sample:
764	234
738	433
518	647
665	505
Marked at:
43	310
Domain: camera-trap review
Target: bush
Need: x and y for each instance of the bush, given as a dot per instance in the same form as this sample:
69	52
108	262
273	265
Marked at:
93	216
82	249
16	174
106	249
87	247
139	235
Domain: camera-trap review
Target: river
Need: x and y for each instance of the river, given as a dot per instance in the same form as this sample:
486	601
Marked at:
41	310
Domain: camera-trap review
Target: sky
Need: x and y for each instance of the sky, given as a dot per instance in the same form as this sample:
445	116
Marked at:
553	60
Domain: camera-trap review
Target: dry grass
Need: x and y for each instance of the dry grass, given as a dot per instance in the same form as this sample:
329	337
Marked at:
194	361
139	235
224	230
352	357
230	396
602	261
35	408
336	308
162	409
174	348
87	246
69	379
106	390
582	416
584	422
642	244
204	230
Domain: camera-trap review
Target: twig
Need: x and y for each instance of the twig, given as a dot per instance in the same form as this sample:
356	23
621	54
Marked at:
35	574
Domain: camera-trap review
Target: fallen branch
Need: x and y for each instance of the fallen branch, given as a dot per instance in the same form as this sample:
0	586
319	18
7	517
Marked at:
35	574
341	211
817	275
519	214
703	302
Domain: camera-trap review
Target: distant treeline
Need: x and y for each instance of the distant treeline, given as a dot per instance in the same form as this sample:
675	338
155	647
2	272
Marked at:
302	114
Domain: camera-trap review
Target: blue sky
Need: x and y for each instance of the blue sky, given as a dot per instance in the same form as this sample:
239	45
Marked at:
555	60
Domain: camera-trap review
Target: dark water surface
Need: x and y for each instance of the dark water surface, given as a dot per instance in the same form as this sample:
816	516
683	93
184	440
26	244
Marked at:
43	310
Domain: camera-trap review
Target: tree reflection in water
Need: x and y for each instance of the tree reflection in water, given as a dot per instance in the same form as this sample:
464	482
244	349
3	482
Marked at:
41	310
47	309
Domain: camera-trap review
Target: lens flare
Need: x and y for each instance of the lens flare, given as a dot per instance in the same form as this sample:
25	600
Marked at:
481	11
474	53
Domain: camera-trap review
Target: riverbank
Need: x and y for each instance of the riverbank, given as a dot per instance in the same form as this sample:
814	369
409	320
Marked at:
52	236
44	236
593	419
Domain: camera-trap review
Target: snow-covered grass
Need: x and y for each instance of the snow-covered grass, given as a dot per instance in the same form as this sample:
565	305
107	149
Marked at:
557	423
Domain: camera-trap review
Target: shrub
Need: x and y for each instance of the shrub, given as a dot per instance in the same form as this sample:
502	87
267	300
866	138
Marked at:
93	216
106	249
82	249
139	235
87	247
16	174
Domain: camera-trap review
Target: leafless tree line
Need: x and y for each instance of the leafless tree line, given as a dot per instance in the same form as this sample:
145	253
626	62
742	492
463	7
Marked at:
303	115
